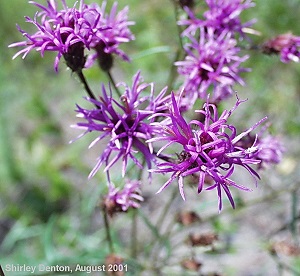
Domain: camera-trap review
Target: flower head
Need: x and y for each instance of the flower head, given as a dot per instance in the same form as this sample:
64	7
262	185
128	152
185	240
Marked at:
118	32
67	31
71	31
120	200
222	15
124	123
212	65
269	149
287	45
209	148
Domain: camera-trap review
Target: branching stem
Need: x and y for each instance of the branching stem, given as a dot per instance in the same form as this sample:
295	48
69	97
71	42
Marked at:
107	229
134	226
111	79
173	70
85	84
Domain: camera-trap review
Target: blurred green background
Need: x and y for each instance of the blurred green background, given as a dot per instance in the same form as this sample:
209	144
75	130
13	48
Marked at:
48	209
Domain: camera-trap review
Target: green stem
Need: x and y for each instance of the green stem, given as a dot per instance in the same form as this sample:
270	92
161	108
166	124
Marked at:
283	266
134	235
161	219
85	84
111	79
134	228
166	209
107	229
166	235
179	30
173	70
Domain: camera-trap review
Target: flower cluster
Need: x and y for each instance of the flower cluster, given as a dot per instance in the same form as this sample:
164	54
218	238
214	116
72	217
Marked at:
209	149
70	31
212	63
120	200
125	123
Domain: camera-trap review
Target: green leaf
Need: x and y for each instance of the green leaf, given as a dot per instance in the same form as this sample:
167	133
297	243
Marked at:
151	51
20	232
49	249
165	241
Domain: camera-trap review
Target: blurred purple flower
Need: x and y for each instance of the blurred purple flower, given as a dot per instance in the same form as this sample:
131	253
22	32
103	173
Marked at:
212	65
269	149
124	123
120	200
287	45
209	149
117	33
222	15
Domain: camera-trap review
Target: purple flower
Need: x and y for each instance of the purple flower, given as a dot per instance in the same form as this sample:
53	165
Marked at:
287	45
209	148
120	200
222	15
117	33
71	31
124	124
68	32
269	149
212	65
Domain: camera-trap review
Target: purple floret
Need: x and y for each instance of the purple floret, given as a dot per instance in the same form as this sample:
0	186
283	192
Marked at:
120	200
287	45
71	31
124	124
118	32
209	148
212	66
270	149
222	15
